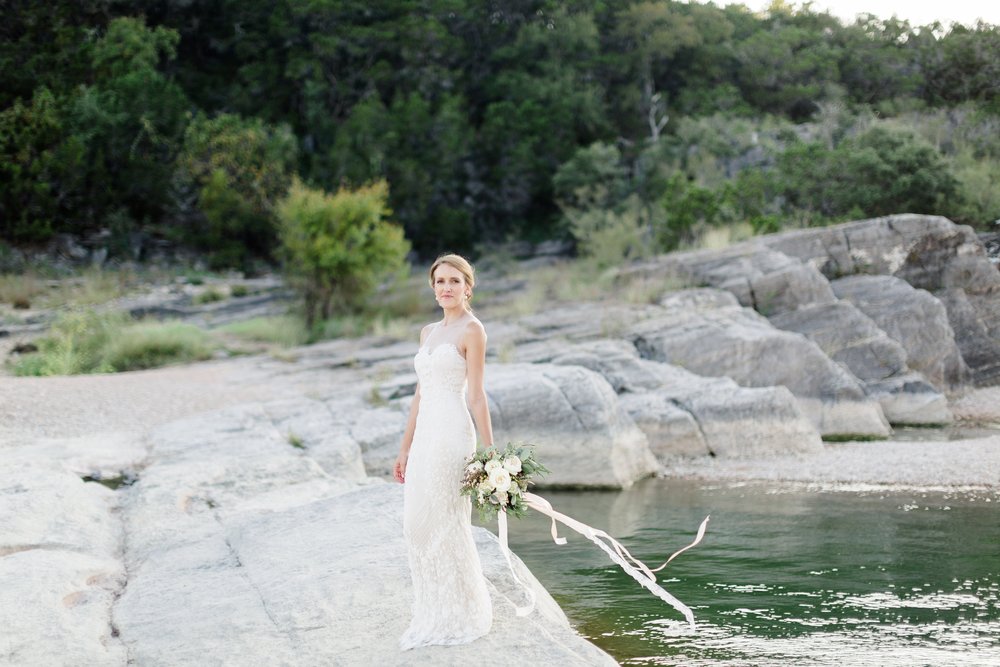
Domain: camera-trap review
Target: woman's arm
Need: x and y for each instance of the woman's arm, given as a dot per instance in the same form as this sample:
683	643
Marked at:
475	364
399	468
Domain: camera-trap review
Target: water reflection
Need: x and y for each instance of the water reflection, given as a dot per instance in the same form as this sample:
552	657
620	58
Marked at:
784	576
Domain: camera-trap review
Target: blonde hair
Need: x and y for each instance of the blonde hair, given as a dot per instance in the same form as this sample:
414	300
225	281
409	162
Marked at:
456	262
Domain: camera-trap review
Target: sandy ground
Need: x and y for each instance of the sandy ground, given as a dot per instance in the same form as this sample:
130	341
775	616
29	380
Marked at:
81	405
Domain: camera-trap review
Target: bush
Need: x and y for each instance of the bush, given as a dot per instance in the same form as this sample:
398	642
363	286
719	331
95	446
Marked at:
611	237
338	247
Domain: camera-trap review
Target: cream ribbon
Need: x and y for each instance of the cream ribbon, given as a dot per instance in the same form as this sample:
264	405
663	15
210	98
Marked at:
616	552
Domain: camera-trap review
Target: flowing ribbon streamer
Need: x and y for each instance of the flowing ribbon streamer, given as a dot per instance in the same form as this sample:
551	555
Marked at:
502	523
616	552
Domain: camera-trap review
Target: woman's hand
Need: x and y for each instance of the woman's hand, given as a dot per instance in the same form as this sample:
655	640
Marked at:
399	469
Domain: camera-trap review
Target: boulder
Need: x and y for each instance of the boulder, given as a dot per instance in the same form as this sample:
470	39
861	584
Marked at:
744	346
847	336
685	415
851	338
873	246
760	278
928	252
582	433
914	318
908	399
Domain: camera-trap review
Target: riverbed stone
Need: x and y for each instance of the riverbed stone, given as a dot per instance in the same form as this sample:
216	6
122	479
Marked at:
582	433
914	318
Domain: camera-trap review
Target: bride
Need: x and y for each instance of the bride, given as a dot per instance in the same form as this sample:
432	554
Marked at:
451	603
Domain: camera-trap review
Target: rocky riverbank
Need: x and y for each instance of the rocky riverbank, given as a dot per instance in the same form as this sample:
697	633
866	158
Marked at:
252	521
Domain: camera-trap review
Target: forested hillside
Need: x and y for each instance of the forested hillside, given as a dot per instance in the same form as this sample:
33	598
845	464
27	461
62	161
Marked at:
624	125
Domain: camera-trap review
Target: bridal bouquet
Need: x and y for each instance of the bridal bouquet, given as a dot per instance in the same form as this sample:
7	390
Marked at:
497	480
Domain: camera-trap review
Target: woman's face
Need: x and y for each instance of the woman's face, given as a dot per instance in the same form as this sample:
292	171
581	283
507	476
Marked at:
449	286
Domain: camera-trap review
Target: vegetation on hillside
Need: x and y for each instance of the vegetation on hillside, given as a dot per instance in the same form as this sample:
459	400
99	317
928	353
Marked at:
488	121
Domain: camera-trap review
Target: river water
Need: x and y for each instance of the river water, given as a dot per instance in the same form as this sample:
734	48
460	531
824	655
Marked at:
786	575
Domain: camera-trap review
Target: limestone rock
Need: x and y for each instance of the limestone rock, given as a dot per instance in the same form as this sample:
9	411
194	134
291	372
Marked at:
685	415
874	246
913	317
57	608
908	399
760	278
583	434
671	430
310	425
744	346
848	336
60	567
318	583
929	252
975	319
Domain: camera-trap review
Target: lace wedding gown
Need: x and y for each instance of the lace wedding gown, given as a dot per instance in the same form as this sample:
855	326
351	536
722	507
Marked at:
451	603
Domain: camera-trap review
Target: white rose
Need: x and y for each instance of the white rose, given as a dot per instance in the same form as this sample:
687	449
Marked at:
500	479
512	464
474	467
492	465
502	499
486	487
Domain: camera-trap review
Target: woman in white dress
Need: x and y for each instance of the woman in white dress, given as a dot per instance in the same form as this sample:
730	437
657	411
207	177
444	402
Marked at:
451	602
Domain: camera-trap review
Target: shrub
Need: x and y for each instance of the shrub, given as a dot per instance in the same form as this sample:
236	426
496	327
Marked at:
338	247
210	295
611	237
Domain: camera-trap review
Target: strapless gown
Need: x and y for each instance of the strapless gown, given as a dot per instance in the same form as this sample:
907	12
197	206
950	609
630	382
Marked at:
451	604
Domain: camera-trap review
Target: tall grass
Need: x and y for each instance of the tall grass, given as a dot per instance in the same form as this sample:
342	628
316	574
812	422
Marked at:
283	330
86	341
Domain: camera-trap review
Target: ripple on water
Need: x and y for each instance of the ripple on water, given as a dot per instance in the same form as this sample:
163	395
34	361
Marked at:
800	577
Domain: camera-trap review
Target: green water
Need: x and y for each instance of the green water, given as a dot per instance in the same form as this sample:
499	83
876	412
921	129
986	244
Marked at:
785	575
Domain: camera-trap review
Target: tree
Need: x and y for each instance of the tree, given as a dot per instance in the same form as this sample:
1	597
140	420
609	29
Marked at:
338	247
39	167
876	173
230	175
652	33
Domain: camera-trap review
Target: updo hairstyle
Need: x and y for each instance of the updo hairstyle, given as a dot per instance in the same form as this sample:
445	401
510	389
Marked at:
456	262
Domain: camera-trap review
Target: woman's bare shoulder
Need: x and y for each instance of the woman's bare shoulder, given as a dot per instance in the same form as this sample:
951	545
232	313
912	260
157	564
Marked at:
425	331
474	328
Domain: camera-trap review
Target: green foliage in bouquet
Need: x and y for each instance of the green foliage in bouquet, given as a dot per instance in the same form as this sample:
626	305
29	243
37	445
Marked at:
497	480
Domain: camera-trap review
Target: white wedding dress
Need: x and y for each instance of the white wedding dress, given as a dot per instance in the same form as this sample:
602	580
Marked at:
451	603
